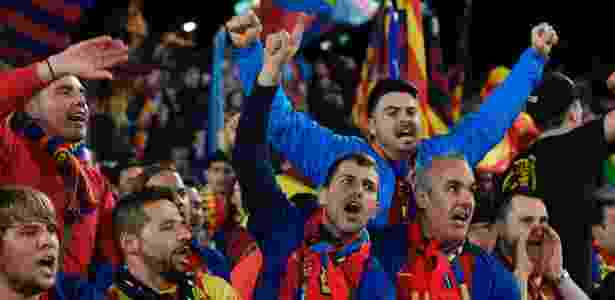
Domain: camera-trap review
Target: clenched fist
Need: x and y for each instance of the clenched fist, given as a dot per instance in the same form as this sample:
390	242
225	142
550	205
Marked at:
244	30
544	37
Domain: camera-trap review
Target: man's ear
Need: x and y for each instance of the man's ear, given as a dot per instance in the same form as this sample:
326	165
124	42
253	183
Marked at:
371	127
129	243
323	196
598	232
33	107
422	199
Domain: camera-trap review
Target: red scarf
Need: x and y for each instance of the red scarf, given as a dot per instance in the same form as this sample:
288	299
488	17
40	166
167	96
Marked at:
428	274
309	278
71	160
403	208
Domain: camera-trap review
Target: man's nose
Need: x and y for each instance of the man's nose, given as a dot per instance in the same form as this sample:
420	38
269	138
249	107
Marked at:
48	239
184	234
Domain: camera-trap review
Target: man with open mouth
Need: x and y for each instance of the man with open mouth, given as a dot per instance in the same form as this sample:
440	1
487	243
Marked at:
322	249
528	247
30	248
393	114
44	117
154	239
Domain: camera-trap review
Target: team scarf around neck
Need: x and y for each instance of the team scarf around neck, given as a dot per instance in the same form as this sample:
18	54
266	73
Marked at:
69	159
189	286
321	269
428	273
403	206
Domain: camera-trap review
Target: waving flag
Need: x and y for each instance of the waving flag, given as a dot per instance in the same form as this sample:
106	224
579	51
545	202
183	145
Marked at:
518	138
353	12
440	79
396	49
34	29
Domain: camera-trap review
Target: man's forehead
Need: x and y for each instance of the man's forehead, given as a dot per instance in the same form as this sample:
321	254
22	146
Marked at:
351	168
397	100
161	208
168	179
67	81
34	221
448	169
528	206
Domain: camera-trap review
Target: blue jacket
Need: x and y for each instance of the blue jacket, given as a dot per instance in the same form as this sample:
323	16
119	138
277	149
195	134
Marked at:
490	279
276	224
312	148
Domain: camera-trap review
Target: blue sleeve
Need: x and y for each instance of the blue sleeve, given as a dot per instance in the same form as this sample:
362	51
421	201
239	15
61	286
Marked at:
271	214
478	132
250	62
505	285
491	279
309	147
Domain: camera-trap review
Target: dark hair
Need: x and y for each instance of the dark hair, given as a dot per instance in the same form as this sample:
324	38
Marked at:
601	199
385	86
148	172
129	215
552	99
361	159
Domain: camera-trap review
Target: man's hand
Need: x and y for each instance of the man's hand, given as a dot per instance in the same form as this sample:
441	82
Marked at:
544	37
89	59
523	264
280	48
244	30
551	252
277	53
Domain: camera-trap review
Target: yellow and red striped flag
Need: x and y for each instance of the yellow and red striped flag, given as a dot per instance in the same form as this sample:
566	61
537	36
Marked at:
396	49
517	139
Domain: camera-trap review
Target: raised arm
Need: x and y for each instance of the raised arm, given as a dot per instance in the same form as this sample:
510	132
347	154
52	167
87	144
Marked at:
88	59
477	133
268	206
310	147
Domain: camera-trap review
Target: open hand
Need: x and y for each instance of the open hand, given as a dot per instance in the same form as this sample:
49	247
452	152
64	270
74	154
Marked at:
90	59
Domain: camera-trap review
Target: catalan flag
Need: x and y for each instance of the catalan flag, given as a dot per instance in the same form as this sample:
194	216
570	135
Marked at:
353	12
518	138
439	77
34	29
396	49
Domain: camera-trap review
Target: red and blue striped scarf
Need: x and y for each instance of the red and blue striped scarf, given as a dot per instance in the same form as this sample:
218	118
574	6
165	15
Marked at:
69	158
320	269
428	274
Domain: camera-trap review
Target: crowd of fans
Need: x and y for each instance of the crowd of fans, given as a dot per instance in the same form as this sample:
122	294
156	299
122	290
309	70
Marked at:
102	197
